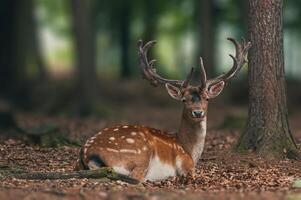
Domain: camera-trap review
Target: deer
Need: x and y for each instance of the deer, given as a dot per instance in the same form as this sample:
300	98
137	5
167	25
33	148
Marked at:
145	153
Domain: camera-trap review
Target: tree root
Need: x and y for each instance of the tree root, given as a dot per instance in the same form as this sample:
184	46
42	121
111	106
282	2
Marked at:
104	172
294	154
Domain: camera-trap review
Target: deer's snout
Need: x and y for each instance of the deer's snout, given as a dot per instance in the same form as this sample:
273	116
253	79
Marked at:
198	113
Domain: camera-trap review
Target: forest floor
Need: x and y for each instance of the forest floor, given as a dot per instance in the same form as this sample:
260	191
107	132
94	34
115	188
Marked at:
221	173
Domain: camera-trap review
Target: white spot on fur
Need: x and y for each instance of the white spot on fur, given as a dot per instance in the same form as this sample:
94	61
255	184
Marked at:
112	150
139	151
158	170
88	144
130	140
128	151
116	129
133	133
144	148
112	138
116	144
90	141
142	134
122	137
121	170
106	129
125	126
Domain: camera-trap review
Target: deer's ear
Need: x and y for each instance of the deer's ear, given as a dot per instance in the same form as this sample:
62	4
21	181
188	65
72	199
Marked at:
216	89
173	91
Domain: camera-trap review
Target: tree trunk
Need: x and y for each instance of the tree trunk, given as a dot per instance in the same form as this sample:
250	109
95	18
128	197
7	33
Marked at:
207	36
150	21
85	52
7	12
124	39
243	20
14	49
37	54
267	131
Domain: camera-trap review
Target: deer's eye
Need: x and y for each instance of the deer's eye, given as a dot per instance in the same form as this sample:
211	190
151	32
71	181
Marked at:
184	99
207	99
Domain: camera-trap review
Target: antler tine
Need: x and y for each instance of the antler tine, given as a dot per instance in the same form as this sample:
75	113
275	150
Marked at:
188	78
148	70
238	61
202	74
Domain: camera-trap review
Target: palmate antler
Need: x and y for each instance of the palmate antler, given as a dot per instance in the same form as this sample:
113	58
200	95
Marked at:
149	72
239	60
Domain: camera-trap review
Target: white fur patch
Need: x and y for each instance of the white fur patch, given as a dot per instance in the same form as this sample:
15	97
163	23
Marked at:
122	137
121	170
116	129
158	170
179	166
125	126
112	138
144	148
130	140
92	165
133	133
199	147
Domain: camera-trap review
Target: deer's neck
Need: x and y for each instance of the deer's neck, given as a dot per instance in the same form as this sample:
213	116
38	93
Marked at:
191	136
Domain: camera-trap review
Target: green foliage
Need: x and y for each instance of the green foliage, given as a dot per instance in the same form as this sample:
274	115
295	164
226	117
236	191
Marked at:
297	184
54	15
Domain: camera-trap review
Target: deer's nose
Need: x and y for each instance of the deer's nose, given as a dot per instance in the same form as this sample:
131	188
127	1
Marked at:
198	113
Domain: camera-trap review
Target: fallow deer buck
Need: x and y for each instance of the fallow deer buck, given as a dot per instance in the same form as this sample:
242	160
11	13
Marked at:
149	154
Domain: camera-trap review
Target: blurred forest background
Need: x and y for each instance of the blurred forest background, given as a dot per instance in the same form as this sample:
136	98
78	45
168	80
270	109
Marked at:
79	56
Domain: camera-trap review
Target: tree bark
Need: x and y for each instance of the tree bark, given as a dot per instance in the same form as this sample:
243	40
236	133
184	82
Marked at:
85	45
267	131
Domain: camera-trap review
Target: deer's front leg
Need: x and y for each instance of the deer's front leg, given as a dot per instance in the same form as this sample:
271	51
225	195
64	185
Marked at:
185	165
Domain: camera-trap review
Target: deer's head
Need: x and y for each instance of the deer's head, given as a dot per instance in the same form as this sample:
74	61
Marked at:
194	98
